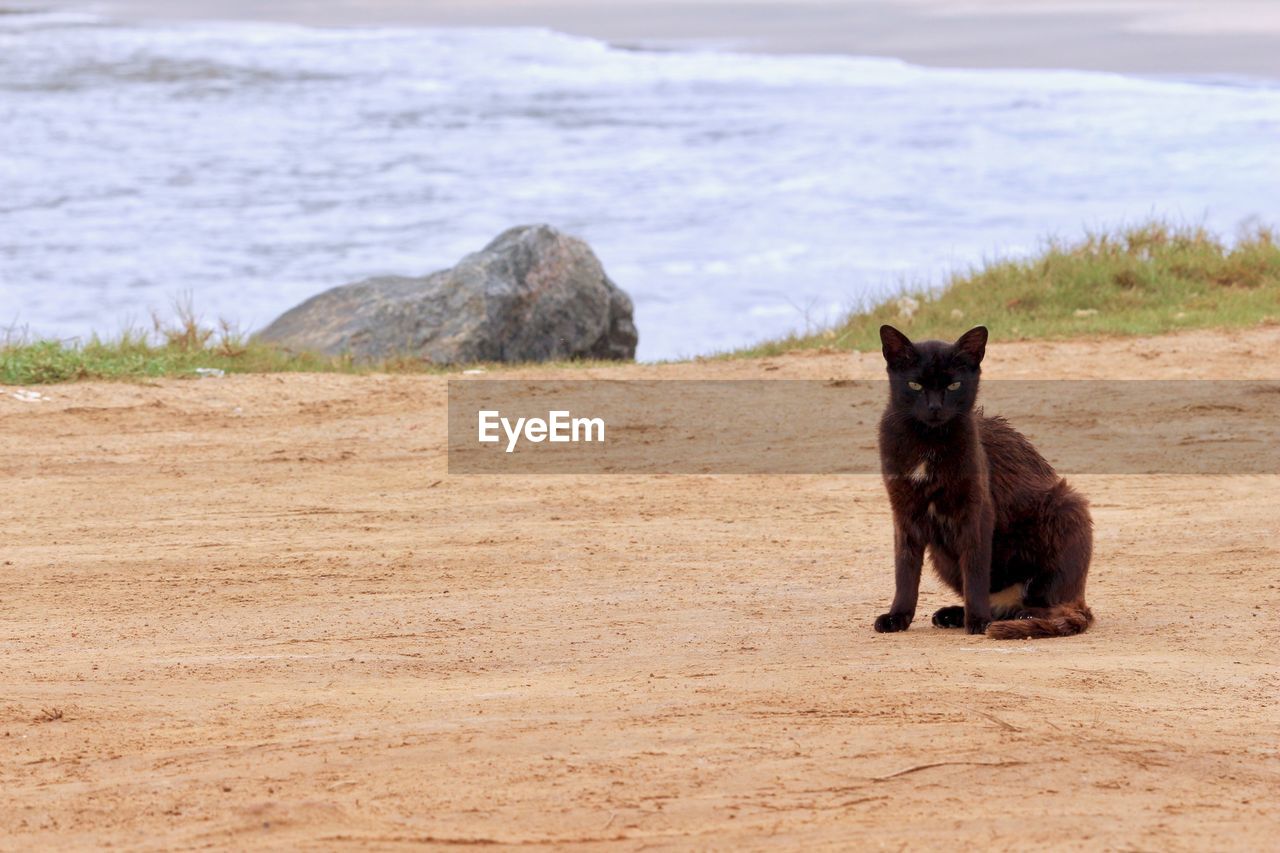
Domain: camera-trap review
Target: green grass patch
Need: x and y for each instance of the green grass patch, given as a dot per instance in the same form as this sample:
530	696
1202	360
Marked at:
136	358
1148	279
185	347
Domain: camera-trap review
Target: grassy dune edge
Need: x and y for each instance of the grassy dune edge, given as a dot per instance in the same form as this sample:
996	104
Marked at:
1143	280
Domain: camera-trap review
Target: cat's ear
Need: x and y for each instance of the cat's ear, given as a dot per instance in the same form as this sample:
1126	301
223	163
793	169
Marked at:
972	345
897	347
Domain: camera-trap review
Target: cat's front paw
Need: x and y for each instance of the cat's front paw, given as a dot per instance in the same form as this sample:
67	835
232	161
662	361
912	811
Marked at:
890	623
949	617
976	624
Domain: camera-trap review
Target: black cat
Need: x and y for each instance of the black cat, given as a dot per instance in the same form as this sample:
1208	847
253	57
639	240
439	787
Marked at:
1002	528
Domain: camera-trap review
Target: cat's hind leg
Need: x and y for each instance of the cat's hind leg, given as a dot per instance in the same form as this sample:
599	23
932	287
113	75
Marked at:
1053	604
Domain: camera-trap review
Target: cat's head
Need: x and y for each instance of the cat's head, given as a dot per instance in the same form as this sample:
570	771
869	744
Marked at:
933	381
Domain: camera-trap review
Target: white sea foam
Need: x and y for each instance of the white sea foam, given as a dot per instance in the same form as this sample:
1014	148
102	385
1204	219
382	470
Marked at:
734	196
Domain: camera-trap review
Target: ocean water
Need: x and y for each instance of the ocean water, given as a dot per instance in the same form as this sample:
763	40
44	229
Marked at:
735	197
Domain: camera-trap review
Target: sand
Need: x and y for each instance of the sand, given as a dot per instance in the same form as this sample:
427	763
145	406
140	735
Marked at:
1178	37
258	611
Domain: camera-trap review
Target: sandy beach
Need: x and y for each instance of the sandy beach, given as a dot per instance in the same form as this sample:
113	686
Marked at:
258	611
1237	37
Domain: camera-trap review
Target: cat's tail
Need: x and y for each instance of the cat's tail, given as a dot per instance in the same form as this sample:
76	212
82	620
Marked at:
1061	620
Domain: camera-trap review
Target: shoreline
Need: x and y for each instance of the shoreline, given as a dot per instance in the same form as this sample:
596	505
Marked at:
1144	37
1005	295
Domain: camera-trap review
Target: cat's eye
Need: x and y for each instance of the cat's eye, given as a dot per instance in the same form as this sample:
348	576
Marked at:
915	386
954	386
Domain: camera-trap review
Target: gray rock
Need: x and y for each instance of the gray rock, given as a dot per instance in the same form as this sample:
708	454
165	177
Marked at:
533	294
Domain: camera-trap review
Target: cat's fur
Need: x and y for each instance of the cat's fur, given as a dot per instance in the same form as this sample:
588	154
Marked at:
1001	527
